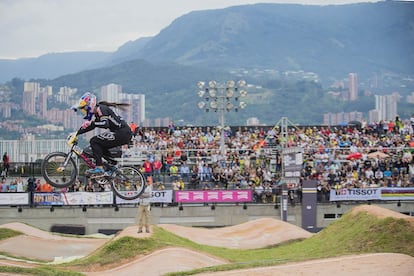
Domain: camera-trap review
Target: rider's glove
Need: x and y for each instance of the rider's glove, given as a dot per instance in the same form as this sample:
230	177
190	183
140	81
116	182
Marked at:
72	138
85	124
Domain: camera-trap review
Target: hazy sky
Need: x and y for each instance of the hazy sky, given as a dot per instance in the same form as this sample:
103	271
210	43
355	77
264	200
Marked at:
30	28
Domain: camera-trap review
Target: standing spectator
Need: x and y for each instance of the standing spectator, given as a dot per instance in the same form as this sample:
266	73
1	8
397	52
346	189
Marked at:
6	164
13	186
185	172
38	186
144	208
169	160
157	166
174	172
31	187
147	166
4	186
19	185
134	128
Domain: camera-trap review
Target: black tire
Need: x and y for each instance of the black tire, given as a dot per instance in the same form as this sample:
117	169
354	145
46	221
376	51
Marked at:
51	172
128	183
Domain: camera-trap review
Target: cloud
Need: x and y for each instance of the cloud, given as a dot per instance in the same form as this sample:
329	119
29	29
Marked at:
31	28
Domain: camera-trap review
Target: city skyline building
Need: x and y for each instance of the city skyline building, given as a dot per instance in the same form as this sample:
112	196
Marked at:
135	112
353	86
386	105
111	92
29	149
341	118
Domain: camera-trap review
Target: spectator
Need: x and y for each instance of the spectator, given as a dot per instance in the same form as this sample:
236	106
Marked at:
174	172
144	209
19	185
147	166
133	127
31	187
13	186
185	172
4	186
157	166
180	184
6	165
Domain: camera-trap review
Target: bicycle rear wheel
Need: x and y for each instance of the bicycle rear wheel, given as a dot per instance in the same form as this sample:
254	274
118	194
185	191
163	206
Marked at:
128	182
56	173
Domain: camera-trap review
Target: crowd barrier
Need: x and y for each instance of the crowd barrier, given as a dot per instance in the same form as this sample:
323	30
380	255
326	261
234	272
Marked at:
188	196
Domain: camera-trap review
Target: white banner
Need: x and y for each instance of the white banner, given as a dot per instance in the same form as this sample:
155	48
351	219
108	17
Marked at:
14	198
355	194
164	196
85	198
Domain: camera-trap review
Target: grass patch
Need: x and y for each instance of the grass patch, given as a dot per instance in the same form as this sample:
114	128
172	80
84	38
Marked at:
6	233
38	271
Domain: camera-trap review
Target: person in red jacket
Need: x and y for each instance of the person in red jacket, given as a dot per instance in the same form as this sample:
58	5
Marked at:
157	165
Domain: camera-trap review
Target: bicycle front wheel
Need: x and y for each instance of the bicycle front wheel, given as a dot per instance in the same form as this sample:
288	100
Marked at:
128	183
56	172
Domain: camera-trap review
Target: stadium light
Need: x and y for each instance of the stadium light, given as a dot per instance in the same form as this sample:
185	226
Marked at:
221	98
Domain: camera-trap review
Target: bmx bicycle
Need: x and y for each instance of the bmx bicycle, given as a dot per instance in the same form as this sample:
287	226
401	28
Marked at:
59	169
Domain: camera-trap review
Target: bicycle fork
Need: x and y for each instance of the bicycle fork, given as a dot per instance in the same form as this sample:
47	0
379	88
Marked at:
65	163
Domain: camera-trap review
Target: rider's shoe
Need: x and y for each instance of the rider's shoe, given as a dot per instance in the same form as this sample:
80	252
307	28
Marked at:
110	171
95	171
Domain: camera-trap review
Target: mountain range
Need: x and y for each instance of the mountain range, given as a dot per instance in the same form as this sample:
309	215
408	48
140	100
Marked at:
375	40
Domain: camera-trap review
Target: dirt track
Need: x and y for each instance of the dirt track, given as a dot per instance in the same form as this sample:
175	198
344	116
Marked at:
44	246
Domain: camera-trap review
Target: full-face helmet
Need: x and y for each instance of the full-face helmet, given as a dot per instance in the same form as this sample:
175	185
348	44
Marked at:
86	105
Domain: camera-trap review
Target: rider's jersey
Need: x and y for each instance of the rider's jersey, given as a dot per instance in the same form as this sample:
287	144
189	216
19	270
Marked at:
106	117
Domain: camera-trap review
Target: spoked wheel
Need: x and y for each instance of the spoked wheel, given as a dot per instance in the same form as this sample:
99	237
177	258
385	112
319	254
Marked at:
128	183
56	173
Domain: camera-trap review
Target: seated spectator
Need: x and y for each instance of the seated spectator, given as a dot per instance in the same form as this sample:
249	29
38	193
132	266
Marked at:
180	184
194	181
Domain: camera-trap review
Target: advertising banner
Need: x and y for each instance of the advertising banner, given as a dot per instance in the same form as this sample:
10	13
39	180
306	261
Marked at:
14	198
164	196
397	193
75	198
372	194
355	194
189	196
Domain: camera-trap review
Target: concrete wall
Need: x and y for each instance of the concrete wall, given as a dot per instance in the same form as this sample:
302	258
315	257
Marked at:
108	219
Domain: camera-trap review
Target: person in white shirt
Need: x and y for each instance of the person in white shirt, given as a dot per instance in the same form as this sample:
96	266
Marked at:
144	208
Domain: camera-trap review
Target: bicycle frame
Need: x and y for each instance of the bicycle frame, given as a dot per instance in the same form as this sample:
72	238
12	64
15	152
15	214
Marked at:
75	149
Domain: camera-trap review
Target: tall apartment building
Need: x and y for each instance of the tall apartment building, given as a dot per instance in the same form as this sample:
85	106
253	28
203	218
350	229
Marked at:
162	122
30	93
373	116
135	112
342	118
353	87
111	92
66	95
386	107
5	110
35	99
29	149
41	104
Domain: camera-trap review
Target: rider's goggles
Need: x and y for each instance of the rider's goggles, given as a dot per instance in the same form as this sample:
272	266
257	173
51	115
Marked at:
83	107
83	110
